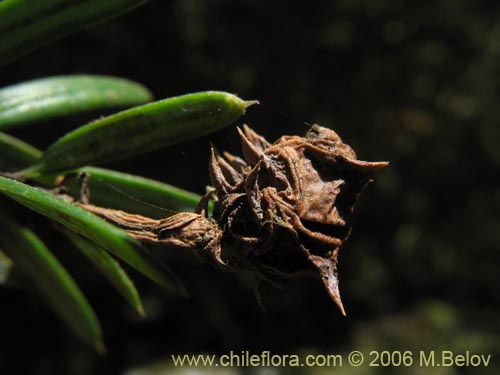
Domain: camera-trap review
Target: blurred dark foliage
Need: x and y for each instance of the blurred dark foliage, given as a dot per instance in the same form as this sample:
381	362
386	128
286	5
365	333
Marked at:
415	83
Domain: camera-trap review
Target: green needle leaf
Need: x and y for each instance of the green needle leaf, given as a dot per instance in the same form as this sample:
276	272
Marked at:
51	279
141	129
111	189
60	96
92	227
27	25
110	268
135	194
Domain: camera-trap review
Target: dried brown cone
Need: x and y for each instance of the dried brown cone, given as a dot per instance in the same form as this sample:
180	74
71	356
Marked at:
285	209
282	211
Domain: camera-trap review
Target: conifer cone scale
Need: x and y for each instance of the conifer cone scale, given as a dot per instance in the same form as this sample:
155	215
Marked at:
285	209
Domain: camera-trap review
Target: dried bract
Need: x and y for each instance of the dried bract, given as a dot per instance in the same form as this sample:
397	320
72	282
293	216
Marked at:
286	209
283	211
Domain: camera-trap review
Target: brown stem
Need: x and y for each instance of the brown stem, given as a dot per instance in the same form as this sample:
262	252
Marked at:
184	230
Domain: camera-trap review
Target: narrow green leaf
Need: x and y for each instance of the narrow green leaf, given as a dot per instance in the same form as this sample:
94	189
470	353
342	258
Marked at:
135	194
109	188
17	153
28	25
60	96
51	279
5	267
110	268
92	227
141	129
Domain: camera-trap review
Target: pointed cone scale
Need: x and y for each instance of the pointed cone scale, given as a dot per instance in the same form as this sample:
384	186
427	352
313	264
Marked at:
236	162
328	273
258	141
216	175
231	175
250	151
331	283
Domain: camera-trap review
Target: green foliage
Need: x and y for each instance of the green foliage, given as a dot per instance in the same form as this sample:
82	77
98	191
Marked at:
140	129
108	188
25	26
91	226
193	115
110	268
61	96
134	194
51	279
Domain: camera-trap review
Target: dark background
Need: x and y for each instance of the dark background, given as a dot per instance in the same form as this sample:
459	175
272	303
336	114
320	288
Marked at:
415	83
